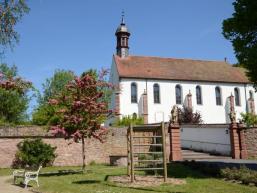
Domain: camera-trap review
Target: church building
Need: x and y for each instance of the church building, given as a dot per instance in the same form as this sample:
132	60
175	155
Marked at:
151	86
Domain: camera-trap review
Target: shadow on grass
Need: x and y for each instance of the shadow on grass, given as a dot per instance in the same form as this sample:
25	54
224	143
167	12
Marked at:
179	170
149	189
61	173
87	182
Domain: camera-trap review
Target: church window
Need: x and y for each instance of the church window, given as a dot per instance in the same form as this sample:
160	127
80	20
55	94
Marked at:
218	96
156	93
251	94
178	94
237	96
198	95
133	92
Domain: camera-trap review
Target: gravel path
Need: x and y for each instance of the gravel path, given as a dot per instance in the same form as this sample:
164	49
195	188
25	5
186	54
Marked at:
7	186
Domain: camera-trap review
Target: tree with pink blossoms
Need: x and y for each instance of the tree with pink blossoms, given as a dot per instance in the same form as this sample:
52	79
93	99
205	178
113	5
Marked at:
82	109
13	96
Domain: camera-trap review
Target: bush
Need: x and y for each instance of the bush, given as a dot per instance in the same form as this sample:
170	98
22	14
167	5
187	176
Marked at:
186	115
127	120
243	174
33	153
249	119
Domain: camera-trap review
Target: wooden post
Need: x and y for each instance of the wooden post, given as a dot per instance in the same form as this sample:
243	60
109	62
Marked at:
131	154
128	152
164	152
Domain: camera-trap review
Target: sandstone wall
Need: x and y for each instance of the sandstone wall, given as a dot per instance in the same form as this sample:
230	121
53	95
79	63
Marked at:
251	141
69	153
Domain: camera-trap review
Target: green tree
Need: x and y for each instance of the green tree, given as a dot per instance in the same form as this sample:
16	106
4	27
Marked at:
11	12
44	113
241	30
13	96
56	84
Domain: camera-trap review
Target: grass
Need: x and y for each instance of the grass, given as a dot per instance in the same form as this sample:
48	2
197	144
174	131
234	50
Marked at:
95	182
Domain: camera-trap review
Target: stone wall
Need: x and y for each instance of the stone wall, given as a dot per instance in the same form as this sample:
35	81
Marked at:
69	153
251	142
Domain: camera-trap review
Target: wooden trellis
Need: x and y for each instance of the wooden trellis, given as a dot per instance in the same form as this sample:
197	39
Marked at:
143	142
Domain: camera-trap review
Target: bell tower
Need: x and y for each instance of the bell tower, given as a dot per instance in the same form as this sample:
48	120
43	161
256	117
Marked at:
122	35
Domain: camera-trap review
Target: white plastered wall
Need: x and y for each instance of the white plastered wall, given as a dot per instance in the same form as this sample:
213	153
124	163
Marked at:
211	113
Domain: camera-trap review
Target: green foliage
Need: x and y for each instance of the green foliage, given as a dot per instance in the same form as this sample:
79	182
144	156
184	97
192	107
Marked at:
243	174
34	153
56	84
249	119
44	113
13	106
14	102
11	12
241	30
127	120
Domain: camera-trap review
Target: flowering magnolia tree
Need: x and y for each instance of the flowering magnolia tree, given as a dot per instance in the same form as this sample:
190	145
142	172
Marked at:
82	109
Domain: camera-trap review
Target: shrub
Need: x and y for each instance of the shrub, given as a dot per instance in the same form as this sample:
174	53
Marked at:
249	119
243	174
33	153
127	120
186	115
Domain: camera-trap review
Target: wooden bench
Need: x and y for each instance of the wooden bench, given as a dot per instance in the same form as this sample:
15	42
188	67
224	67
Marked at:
26	175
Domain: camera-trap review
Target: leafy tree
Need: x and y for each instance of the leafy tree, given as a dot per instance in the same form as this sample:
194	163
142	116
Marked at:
34	153
44	113
82	110
13	95
241	30
11	12
56	84
249	119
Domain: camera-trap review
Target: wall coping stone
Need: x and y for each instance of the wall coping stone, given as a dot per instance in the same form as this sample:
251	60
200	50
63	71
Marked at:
205	126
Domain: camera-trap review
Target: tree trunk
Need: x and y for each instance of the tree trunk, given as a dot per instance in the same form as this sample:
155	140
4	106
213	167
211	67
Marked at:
83	154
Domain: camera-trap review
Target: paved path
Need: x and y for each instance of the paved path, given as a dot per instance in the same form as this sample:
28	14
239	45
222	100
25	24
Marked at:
7	186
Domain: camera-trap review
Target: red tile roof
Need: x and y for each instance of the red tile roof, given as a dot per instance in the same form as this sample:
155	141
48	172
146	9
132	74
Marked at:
178	69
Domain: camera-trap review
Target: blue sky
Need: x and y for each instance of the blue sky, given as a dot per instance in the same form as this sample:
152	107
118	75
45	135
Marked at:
78	35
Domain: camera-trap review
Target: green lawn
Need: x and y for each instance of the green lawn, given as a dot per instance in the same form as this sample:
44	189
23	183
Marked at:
95	181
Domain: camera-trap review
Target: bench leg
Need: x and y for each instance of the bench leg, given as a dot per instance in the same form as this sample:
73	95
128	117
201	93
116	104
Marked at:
26	183
14	180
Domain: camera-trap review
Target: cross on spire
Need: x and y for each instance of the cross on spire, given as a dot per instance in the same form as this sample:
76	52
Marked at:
122	17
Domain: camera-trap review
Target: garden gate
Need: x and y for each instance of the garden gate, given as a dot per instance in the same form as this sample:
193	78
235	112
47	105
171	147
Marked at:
146	149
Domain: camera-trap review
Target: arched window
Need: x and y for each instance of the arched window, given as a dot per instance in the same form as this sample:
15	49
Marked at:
198	95
237	96
218	96
133	92
156	93
178	94
251	94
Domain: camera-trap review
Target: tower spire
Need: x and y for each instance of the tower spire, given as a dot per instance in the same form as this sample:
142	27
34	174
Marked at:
122	35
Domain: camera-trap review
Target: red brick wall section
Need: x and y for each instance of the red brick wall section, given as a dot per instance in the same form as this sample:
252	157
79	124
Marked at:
175	144
68	154
234	140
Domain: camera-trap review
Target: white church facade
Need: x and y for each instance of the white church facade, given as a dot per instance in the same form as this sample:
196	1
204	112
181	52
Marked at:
151	86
